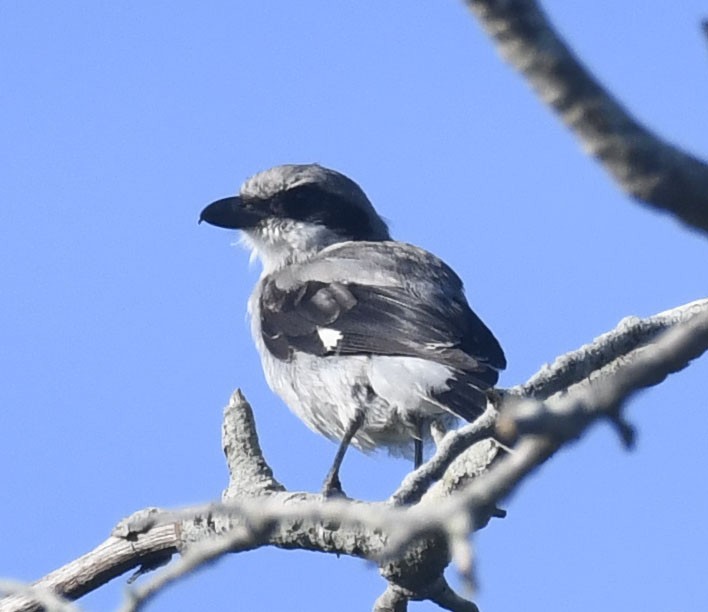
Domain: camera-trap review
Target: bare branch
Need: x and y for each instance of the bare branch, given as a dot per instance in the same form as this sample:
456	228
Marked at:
590	362
392	600
646	167
418	482
569	415
566	417
412	543
249	472
26	594
607	350
197	556
395	599
447	599
110	559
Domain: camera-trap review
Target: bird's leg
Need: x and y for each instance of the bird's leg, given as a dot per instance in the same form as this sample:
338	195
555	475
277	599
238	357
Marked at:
418	445
332	486
417	453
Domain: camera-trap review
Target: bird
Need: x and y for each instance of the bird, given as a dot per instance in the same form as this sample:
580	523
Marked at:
368	340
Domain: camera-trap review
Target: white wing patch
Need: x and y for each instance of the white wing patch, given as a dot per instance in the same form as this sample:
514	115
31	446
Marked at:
329	337
435	346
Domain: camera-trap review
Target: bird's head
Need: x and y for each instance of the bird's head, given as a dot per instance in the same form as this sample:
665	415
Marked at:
289	213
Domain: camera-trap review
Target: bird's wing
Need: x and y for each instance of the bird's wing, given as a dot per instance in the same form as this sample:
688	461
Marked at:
377	298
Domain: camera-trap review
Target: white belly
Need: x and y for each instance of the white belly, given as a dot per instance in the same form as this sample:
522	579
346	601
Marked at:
326	393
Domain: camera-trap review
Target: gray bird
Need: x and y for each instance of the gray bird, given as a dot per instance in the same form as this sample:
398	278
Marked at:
368	340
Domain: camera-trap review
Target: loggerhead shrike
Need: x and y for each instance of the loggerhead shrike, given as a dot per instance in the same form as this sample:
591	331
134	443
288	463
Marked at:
368	340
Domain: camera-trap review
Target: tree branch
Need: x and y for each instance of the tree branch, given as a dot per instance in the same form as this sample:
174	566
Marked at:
249	473
413	542
649	169
610	350
108	560
46	598
419	481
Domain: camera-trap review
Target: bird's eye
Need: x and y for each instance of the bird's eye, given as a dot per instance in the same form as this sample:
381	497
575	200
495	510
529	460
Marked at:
299	204
251	204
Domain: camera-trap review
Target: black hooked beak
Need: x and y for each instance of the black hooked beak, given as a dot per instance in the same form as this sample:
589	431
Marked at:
230	213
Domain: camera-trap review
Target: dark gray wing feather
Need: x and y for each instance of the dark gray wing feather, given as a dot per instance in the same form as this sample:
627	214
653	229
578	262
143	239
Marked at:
395	306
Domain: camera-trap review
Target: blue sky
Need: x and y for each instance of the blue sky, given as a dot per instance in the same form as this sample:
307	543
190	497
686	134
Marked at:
123	329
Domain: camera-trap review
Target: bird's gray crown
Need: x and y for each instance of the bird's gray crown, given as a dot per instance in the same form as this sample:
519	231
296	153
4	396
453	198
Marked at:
276	180
313	193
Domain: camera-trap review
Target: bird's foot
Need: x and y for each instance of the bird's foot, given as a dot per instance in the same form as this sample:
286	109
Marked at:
332	487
